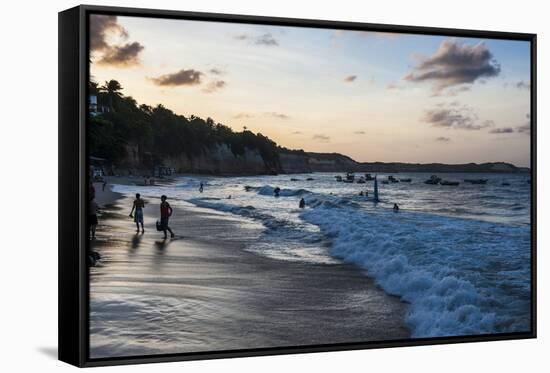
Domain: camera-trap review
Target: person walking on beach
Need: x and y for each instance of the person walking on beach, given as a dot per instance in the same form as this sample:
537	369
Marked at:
93	217
165	213
138	206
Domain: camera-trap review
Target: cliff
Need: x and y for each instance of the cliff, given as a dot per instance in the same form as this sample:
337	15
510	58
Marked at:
221	160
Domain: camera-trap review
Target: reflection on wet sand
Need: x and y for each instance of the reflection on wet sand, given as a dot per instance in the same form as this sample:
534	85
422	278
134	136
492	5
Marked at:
204	292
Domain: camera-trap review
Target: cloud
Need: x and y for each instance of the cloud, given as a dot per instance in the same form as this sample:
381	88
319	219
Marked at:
264	39
442	139
526	128
463	118
523	85
216	71
360	133
455	63
243	116
350	78
101	26
181	78
276	115
502	130
452	92
394	86
122	55
321	137
214	86
272	114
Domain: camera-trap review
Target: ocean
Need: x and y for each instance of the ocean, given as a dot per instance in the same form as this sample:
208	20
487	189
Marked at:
458	256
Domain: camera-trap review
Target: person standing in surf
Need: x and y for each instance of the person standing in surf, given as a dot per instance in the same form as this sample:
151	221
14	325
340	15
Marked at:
165	213
138	206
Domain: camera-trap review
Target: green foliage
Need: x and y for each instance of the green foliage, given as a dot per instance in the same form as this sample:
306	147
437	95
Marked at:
159	133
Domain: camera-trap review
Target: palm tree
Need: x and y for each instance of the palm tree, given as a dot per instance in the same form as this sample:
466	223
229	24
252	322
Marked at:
93	88
112	90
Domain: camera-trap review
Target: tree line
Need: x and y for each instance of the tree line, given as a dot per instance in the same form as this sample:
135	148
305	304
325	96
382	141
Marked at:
159	133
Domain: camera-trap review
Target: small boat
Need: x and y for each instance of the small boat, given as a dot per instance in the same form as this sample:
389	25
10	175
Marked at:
405	180
392	179
350	176
476	181
361	180
433	180
369	177
310	179
505	184
449	183
294	179
338	178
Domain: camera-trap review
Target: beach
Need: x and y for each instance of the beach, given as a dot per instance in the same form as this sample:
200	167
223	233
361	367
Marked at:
248	268
205	290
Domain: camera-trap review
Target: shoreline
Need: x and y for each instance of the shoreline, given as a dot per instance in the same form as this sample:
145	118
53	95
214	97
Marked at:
202	291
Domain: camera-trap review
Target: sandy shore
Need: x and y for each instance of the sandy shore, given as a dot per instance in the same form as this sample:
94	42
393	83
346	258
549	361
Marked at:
201	291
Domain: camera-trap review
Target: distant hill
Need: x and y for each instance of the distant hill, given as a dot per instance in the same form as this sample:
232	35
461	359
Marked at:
293	162
441	167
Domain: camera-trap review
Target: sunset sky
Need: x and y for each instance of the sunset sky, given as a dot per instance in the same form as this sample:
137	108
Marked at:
372	96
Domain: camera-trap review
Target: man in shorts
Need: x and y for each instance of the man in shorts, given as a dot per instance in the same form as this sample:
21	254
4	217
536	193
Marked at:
138	206
165	213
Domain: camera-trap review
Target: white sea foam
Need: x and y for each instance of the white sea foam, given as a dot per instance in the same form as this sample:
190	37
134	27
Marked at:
460	276
452	271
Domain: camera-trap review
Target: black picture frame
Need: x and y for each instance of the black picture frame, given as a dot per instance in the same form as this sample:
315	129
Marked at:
73	113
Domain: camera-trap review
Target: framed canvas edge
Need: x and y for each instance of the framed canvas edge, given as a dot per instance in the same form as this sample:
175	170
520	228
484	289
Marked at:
82	308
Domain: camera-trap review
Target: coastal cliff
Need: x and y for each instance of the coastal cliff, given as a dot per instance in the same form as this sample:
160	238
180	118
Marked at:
221	160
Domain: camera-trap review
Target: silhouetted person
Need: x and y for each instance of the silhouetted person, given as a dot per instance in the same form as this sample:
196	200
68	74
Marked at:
93	217
276	191
138	206
165	213
201	188
302	203
361	193
395	207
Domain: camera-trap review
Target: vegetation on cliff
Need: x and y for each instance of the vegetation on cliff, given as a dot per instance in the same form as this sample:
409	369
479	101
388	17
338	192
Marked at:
159	133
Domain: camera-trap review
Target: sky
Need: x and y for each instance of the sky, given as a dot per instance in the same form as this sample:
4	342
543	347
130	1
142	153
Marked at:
386	97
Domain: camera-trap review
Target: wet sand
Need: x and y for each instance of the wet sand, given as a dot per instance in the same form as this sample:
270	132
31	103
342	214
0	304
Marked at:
201	291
